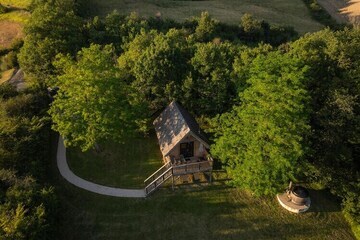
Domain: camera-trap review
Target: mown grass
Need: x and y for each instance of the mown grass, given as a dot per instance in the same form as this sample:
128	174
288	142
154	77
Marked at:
118	165
281	12
209	211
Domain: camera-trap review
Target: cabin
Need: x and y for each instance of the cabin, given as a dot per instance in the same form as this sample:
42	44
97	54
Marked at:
184	146
180	138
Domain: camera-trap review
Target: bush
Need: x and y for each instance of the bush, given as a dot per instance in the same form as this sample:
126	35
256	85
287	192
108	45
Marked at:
7	91
3	9
321	15
9	61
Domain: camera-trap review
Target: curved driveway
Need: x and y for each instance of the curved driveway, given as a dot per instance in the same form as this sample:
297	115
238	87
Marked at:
89	186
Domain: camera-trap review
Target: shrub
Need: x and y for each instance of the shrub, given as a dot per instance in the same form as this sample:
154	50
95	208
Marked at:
3	9
9	61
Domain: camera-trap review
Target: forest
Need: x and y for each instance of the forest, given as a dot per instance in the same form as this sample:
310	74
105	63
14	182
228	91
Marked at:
277	105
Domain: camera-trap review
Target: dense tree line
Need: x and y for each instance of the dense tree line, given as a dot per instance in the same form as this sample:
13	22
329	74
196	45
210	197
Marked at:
27	204
304	126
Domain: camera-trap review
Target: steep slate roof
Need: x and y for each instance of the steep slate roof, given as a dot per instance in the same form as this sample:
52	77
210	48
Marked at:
175	123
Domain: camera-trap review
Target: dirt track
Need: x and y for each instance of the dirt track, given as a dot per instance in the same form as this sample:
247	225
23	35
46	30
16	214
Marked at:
9	31
343	10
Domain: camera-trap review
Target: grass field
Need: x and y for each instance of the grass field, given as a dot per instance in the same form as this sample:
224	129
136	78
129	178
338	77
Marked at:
194	211
282	12
11	26
343	10
118	165
23	4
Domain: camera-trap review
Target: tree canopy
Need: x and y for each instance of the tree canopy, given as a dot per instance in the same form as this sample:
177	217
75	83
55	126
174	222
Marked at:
52	28
262	140
94	102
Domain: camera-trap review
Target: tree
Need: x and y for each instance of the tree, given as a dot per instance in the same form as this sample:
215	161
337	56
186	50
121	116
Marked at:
262	140
25	207
156	64
53	28
210	82
206	28
333	58
252	28
93	103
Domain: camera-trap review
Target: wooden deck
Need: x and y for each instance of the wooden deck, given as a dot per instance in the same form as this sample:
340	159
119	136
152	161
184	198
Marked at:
177	168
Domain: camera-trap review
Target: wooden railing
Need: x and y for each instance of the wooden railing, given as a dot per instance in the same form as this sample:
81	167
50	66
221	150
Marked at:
189	168
156	174
158	181
167	171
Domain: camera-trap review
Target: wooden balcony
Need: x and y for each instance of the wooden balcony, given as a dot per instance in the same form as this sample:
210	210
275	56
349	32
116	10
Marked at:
177	168
191	165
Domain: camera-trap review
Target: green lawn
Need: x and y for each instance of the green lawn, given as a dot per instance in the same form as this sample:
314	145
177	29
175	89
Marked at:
281	12
195	211
118	165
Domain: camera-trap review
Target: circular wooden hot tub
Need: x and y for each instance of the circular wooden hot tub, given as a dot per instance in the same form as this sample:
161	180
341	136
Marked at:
296	199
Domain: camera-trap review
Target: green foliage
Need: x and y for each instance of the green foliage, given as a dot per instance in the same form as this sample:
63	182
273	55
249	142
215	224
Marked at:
23	209
7	91
27	209
9	61
22	132
206	28
262	141
156	64
243	62
320	14
52	28
93	103
128	29
333	58
3	9
210	82
251	26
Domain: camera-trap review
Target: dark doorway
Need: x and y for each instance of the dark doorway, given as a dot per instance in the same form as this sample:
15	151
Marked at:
187	149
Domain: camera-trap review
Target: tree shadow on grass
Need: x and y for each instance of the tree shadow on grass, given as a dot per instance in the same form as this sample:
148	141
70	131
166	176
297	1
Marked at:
323	201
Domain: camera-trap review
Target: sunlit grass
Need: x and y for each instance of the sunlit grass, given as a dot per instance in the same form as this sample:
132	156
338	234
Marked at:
6	75
16	3
280	12
16	16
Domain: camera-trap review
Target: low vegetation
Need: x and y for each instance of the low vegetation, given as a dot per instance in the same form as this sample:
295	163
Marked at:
28	204
319	14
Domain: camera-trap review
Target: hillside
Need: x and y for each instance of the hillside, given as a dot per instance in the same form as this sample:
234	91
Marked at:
343	10
282	12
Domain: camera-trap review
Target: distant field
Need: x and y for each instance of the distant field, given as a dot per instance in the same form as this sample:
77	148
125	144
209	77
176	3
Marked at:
11	26
16	3
282	12
343	10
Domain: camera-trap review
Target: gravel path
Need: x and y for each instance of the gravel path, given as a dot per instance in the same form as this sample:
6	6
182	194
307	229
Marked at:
92	187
